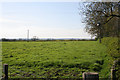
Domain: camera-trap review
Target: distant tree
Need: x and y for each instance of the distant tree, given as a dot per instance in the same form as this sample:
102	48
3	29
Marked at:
4	39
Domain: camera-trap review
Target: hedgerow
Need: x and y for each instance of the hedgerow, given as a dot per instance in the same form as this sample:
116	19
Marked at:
113	49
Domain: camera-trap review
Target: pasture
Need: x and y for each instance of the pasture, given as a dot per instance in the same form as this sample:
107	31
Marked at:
55	59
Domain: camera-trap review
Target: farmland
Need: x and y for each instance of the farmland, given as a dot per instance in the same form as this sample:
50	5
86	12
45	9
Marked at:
55	59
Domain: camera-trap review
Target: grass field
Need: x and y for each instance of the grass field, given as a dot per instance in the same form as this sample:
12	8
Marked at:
55	59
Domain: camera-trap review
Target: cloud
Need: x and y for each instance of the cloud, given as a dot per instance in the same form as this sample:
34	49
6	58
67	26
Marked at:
21	32
3	20
58	33
12	24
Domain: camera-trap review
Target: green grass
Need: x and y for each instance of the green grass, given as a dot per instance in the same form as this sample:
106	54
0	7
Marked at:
57	59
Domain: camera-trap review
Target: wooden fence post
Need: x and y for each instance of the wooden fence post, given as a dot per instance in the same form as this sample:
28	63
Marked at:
113	76
90	76
5	70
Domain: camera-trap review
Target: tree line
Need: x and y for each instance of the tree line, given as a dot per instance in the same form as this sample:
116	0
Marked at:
48	39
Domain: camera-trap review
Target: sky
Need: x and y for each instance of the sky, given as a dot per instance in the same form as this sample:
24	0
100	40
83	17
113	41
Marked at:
42	19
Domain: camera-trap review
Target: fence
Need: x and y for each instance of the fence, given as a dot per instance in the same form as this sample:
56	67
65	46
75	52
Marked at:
6	75
86	75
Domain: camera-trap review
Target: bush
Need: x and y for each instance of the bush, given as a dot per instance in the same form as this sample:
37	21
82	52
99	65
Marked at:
97	67
112	46
101	62
118	69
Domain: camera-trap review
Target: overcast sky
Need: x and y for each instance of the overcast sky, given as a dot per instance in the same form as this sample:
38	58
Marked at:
43	19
